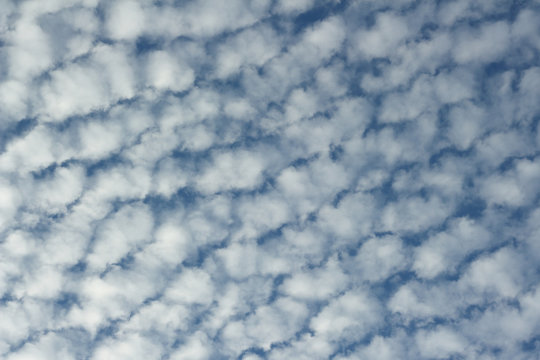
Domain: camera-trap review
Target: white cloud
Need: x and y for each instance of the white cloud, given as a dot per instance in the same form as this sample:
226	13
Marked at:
268	325
239	109
171	247
13	96
125	20
240	261
387	33
382	348
34	151
196	348
192	287
232	171
406	303
440	343
88	86
47	347
30	52
352	218
166	73
378	258
414	214
116	66
124	231
252	47
420	99
315	285
310	187
262	213
454	87
77	89
293	7
466	121
499	274
131	347
307	347
498	146
53	195
444	251
351	315
515	187
324	39
483	45
9	200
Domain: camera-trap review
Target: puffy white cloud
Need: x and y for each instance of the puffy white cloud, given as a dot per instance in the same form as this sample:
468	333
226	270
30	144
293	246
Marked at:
171	246
13	96
77	89
34	151
498	146
408	304
310	187
125	20
379	41
324	39
293	7
307	347
466	124
262	213
9	200
196	348
315	285
483	45
444	251
378	258
166	73
382	348
440	343
414	214
349	316
65	187
351	219
268	325
48	346
30	52
515	187
192	287
232	171
130	347
252	47
244	260
118	235
501	274
87	86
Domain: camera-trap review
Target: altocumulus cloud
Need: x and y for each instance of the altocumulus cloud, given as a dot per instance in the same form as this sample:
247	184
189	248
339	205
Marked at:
269	179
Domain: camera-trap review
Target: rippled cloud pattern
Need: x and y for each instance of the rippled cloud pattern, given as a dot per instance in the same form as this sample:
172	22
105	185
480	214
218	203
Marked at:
269	179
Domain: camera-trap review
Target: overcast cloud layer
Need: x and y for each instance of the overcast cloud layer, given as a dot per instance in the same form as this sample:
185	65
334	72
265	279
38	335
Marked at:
269	179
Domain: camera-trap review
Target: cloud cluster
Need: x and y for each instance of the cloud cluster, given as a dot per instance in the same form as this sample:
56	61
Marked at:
307	179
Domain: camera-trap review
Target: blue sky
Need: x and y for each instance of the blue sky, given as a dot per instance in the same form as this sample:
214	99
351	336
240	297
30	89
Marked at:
269	179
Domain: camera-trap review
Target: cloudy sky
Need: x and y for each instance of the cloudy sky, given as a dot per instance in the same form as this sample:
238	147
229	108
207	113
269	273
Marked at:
269	179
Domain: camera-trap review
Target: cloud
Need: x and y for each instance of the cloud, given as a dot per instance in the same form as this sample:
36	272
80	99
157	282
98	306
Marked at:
164	73
485	44
377	42
440	343
241	170
444	251
125	20
269	179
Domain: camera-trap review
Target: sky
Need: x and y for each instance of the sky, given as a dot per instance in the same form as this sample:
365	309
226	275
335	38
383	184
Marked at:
269	179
